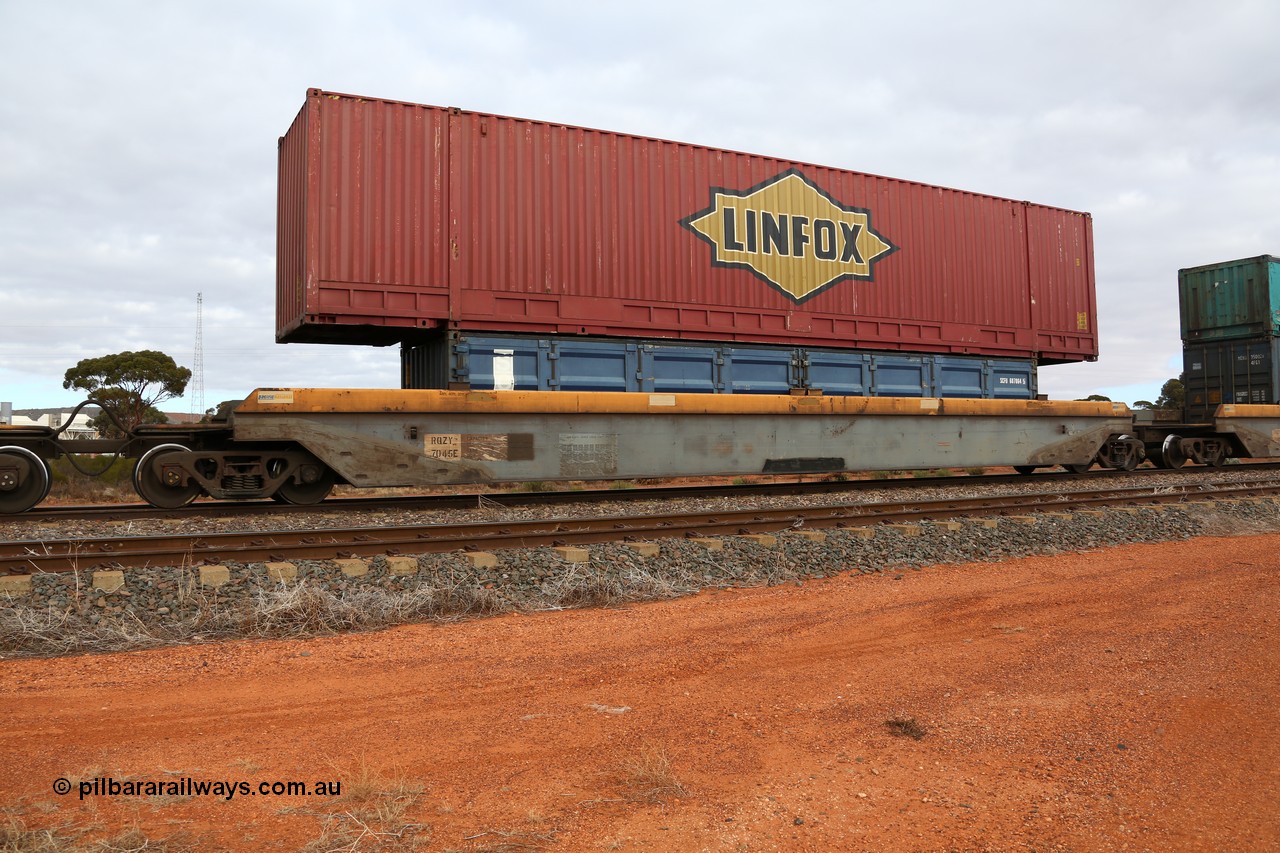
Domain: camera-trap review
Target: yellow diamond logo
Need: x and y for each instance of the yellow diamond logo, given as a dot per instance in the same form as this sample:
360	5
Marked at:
790	233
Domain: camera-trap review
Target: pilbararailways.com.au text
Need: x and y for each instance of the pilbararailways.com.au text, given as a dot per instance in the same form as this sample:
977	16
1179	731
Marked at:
227	789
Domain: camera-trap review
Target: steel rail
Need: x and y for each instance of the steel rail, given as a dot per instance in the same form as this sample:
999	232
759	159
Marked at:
187	549
222	509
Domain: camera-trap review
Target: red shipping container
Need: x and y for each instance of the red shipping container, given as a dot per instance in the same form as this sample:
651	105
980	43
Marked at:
398	219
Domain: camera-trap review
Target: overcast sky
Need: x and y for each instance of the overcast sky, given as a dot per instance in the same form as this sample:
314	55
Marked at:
138	143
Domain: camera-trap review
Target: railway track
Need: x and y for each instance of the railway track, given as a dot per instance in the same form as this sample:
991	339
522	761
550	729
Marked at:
129	512
194	548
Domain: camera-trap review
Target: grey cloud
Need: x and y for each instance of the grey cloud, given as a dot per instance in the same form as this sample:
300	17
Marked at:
137	141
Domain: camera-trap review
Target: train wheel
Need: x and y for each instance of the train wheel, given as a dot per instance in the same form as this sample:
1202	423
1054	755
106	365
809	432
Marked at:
1122	453
321	483
149	480
1026	469
1079	469
1171	455
24	479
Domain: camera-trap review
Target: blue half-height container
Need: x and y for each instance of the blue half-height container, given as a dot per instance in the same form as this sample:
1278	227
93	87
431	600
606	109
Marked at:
1231	300
514	363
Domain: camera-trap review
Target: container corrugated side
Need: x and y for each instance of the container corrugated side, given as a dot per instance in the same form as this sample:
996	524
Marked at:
1230	300
292	229
1238	371
362	240
424	218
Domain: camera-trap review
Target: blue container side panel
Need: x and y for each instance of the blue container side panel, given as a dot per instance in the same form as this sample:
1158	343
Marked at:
679	370
901	376
507	365
839	374
591	366
955	377
1012	380
759	371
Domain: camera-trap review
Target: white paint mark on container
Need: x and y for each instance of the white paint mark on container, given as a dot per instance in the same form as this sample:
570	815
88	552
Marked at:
504	370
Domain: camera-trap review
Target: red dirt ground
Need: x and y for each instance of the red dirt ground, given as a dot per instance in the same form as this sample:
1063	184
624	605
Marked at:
1119	700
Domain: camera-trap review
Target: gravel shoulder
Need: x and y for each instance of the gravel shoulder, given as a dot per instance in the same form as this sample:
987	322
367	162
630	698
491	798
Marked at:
492	509
1117	699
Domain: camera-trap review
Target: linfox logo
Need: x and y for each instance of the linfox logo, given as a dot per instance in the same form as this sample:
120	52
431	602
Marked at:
791	233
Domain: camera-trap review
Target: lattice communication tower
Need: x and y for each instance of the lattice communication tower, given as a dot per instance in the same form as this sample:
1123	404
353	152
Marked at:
197	372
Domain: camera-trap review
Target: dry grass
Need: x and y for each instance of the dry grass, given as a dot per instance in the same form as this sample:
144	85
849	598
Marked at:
374	805
134	840
1215	523
505	841
906	727
24	629
648	777
112	481
298	610
17	837
308	608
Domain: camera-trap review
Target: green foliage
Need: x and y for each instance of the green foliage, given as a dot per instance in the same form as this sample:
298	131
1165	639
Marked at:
117	471
84	478
1172	395
220	412
118	401
1094	398
130	384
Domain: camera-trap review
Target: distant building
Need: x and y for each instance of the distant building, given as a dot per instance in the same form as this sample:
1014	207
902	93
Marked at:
55	418
79	427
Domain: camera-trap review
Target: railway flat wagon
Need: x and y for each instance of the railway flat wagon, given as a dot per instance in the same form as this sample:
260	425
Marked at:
399	222
426	437
295	444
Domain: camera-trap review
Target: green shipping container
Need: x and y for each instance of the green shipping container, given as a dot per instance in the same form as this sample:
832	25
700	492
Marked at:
1231	300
